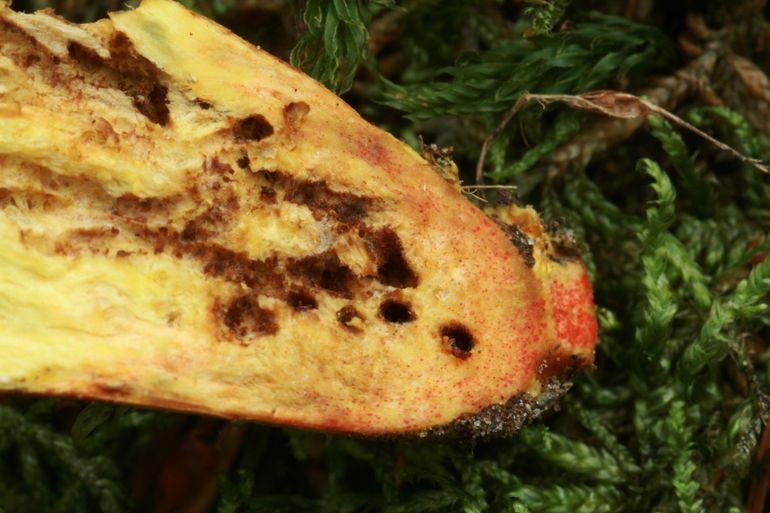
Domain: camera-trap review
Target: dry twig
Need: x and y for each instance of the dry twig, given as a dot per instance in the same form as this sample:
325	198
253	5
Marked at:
615	104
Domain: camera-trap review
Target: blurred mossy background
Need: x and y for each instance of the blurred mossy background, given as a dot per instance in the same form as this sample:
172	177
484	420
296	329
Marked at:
674	231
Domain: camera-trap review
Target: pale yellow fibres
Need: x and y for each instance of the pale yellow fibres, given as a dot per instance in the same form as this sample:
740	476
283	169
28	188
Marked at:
188	222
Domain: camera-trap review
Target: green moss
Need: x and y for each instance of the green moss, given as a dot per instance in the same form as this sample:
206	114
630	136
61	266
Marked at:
673	232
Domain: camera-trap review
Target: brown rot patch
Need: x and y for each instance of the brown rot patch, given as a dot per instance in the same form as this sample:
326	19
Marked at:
235	266
30	60
346	208
397	312
85	56
154	106
264	276
205	225
392	266
194	231
301	300
324	271
7	197
96	240
134	206
351	319
267	194
246	319
16	36
140	79
457	339
252	128
131	203
217	167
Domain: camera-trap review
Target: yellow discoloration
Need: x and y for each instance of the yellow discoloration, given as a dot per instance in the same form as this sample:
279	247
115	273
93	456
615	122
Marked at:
183	231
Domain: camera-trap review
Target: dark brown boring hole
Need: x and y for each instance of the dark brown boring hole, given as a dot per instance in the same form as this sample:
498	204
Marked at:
458	340
397	312
296	111
252	128
244	161
347	316
302	300
203	104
